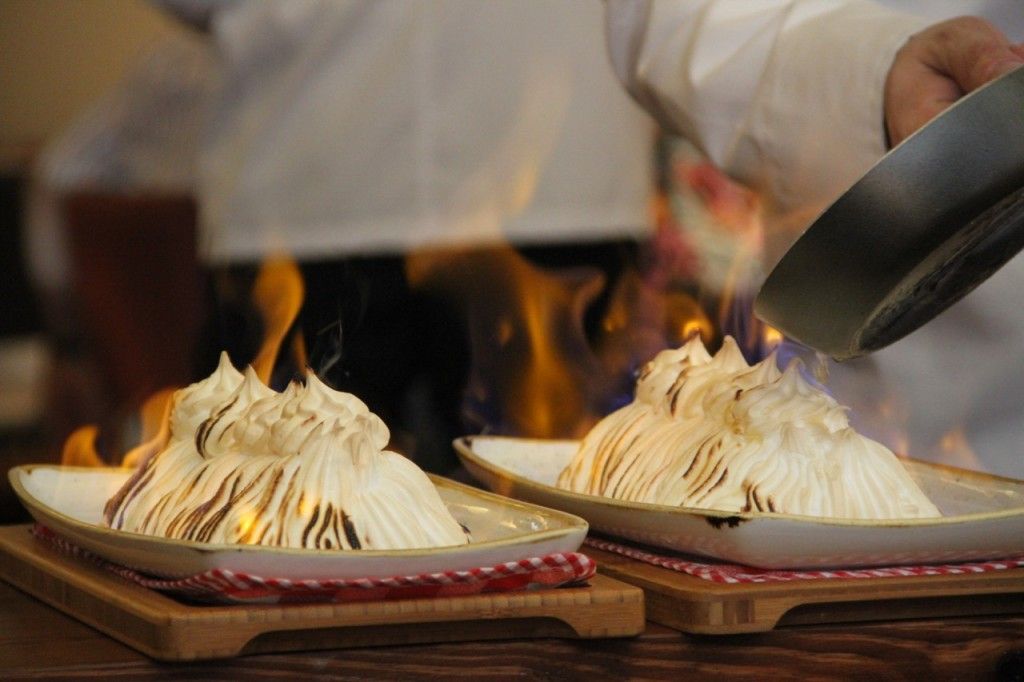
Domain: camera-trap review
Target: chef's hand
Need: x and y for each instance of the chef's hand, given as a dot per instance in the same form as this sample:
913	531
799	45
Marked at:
938	66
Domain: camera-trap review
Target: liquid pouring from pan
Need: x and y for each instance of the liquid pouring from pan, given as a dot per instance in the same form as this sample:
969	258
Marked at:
927	224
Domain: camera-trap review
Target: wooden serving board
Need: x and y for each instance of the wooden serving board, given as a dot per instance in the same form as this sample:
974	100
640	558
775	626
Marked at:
699	606
166	629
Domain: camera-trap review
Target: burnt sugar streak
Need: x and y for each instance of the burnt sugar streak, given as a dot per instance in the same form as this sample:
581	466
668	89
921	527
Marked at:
716	433
304	468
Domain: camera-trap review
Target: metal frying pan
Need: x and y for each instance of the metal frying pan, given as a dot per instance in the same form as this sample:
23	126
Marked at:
927	224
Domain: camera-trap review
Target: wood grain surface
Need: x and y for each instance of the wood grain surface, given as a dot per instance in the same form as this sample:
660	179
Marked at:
700	606
167	629
39	642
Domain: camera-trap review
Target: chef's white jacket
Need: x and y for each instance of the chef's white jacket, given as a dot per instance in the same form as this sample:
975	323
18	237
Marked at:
348	128
358	128
786	96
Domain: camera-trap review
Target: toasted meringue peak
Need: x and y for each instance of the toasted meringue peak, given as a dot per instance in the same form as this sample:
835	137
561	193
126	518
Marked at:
302	468
715	433
335	411
193	404
214	436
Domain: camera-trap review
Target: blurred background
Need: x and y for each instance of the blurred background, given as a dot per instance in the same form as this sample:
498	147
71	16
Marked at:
581	240
517	328
59	58
584	240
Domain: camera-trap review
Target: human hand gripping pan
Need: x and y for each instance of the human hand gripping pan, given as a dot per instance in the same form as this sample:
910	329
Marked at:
928	223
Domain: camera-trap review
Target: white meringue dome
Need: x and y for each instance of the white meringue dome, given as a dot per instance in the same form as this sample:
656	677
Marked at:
715	433
304	468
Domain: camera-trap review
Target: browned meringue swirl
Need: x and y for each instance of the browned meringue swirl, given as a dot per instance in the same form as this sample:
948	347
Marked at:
304	468
715	433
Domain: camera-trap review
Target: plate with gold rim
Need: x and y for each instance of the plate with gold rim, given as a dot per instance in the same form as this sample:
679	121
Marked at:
983	515
70	500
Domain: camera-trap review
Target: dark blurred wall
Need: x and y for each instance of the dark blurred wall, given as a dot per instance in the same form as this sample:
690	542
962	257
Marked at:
20	314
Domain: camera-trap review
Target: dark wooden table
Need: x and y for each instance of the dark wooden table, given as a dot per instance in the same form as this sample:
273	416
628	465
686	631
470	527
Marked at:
37	641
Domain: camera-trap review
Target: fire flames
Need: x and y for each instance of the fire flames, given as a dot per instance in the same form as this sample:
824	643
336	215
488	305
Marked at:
80	447
538	369
956	450
277	294
532	370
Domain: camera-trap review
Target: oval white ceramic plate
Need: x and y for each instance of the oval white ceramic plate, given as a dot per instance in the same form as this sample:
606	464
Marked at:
983	515
69	501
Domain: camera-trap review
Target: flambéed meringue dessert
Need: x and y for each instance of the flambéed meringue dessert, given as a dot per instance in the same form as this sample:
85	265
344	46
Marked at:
304	468
716	433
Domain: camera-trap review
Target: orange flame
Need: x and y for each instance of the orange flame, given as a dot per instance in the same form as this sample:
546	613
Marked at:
156	427
535	373
527	343
80	448
552	405
771	337
957	451
644	318
277	294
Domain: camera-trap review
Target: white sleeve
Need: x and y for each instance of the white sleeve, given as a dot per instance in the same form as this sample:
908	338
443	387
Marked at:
784	95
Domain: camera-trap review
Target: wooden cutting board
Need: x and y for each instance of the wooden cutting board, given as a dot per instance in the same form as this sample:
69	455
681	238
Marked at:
166	629
695	605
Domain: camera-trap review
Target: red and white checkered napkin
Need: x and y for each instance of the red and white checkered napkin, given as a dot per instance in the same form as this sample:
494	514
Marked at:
734	573
231	587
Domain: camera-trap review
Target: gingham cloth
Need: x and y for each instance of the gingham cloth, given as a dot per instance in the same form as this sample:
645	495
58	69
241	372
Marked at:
232	587
734	573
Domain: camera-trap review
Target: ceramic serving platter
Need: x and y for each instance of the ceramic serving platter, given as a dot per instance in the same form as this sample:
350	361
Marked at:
69	501
983	516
